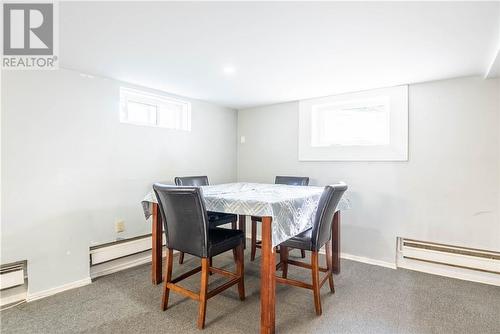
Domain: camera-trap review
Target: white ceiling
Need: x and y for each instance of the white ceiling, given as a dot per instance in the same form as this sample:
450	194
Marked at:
279	51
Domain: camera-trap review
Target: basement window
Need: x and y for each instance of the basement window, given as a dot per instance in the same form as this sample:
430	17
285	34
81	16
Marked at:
363	126
147	109
363	122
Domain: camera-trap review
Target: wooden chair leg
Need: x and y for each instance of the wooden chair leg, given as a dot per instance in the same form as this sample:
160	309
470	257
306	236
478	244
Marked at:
254	240
202	308
303	253
181	257
315	281
329	264
168	278
240	271
284	260
210	263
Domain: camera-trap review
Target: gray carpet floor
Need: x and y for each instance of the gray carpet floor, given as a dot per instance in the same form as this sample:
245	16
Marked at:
368	299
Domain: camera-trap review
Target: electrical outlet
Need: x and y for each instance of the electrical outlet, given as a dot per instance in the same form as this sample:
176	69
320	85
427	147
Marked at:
120	226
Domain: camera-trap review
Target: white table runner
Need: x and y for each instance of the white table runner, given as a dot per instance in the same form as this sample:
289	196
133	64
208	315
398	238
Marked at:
292	208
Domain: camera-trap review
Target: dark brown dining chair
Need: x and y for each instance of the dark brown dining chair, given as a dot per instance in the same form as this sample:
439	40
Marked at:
187	230
214	218
312	240
288	180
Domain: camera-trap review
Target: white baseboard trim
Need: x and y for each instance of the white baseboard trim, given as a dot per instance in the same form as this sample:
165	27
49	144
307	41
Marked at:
349	257
49	292
368	260
428	268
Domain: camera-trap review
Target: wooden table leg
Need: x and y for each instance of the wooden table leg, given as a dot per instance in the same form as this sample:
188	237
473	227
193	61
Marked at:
336	243
242	225
157	247
267	281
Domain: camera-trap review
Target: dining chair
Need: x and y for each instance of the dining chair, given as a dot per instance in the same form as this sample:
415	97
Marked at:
187	229
288	180
313	239
214	218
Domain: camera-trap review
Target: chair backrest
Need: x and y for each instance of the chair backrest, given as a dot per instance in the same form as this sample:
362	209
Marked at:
184	217
322	224
292	180
191	181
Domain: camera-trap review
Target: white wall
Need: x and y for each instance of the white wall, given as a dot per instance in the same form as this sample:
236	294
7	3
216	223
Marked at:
70	168
448	191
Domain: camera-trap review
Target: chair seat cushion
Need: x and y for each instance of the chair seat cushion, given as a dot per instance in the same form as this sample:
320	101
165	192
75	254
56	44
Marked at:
300	241
222	239
220	218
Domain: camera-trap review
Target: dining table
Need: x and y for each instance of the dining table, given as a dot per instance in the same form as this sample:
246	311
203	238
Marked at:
285	210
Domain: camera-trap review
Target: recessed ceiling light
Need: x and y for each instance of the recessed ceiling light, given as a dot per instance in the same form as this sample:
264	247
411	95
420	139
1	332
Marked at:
229	70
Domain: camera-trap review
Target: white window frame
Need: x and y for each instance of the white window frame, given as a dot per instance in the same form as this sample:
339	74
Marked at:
396	150
155	100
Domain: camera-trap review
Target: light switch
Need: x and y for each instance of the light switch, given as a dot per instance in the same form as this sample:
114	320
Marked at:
242	139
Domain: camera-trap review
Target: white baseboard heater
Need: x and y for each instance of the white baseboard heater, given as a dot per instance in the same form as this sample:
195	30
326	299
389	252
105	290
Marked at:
119	255
448	260
13	283
118	249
